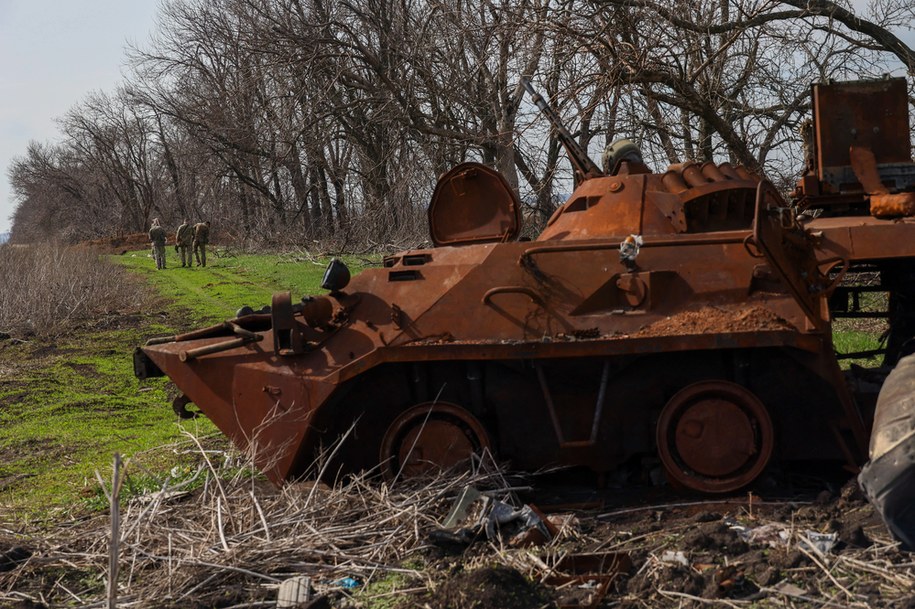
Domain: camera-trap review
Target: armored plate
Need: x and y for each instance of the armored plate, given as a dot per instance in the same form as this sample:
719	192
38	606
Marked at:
473	204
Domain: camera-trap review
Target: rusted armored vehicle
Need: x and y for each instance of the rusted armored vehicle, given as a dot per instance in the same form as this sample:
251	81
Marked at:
680	317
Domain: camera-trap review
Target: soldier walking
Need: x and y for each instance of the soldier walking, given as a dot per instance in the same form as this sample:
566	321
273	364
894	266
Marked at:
201	238
157	236
183	240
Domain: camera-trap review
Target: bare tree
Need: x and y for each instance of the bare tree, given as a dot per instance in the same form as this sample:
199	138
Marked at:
290	121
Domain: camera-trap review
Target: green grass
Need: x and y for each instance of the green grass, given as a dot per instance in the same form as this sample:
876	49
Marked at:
854	341
65	417
67	406
213	293
381	593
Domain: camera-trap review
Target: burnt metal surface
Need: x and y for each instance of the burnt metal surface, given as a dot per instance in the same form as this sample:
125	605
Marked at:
868	114
862	181
539	349
858	146
715	437
681	316
428	438
883	203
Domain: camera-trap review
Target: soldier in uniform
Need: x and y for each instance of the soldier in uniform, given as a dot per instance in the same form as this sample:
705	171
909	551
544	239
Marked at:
183	240
157	237
201	238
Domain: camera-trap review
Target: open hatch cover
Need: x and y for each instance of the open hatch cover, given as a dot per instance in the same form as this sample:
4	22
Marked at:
473	204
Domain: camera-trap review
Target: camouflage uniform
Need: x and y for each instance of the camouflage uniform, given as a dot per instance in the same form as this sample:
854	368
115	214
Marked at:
184	238
157	236
201	238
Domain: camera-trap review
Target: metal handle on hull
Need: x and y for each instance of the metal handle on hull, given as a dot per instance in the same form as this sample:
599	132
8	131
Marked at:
509	289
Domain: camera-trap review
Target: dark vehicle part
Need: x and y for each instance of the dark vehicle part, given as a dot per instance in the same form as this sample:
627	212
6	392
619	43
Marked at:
584	166
683	314
336	276
143	366
888	479
179	405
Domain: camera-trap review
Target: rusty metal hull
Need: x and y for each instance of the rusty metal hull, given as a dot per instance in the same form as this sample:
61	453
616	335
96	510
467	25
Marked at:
562	352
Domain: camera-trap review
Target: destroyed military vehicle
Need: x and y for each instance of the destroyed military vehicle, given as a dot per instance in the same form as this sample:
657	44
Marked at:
680	317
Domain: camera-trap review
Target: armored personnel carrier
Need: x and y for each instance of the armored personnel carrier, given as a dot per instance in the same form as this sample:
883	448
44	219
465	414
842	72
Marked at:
680	317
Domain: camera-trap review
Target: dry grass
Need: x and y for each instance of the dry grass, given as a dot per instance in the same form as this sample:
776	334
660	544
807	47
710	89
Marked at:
47	288
233	540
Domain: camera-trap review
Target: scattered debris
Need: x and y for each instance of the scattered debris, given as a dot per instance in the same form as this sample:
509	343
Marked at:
294	592
346	540
475	515
583	580
821	543
789	589
675	558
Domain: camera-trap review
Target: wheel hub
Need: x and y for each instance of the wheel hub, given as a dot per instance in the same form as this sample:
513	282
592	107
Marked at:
429	438
714	437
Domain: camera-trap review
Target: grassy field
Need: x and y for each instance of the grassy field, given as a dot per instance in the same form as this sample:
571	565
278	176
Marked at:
215	292
68	404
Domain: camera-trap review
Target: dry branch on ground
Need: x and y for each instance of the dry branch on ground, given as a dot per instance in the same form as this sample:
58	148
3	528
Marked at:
233	540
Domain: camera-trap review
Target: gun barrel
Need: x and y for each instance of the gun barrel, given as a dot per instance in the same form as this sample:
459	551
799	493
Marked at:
579	157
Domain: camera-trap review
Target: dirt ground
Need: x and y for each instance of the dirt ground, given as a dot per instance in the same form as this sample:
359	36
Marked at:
817	546
825	548
121	244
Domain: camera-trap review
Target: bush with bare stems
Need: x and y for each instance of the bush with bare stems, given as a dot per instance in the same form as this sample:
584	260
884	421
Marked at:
48	288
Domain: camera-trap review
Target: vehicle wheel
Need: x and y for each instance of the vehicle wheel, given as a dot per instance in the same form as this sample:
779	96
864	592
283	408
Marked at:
888	478
429	438
714	437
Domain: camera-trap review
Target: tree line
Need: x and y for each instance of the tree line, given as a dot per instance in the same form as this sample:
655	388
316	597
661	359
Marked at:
302	121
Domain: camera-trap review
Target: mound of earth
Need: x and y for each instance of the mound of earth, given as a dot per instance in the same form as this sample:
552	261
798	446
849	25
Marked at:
120	244
717	320
13	557
489	588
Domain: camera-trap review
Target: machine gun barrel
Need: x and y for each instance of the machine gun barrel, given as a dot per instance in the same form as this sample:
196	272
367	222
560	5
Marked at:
577	155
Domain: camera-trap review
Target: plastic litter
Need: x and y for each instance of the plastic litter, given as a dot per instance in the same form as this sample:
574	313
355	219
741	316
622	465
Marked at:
672	557
821	543
348	583
475	515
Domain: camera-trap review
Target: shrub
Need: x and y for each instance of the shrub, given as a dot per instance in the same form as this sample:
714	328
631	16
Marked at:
45	289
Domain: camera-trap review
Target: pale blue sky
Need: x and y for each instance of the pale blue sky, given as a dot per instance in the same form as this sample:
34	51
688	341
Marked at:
52	54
